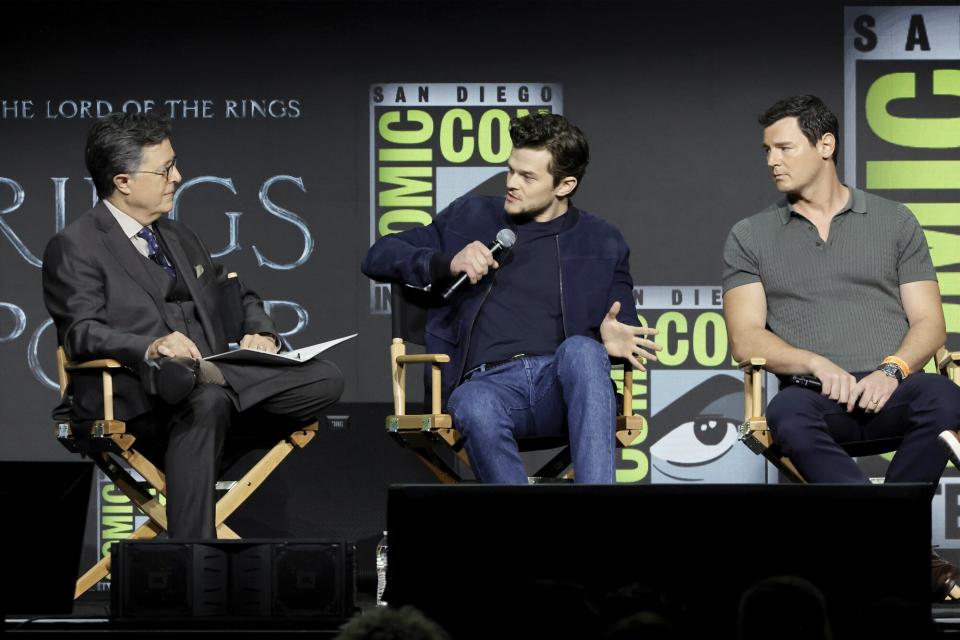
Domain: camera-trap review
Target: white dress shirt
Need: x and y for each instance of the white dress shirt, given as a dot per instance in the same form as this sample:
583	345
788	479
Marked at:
130	228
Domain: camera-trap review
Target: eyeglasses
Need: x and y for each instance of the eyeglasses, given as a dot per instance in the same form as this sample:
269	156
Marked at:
165	172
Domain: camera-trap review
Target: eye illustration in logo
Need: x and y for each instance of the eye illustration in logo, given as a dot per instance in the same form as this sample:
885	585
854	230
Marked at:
698	437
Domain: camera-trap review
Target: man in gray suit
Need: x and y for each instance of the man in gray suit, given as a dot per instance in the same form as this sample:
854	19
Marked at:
125	282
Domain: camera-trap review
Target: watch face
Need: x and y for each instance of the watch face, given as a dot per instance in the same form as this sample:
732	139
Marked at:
892	370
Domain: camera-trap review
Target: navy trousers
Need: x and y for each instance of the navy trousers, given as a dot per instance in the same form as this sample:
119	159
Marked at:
811	429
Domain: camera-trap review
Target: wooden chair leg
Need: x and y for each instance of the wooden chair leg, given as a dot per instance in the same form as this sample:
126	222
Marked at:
441	475
156	512
99	571
253	478
556	465
148	504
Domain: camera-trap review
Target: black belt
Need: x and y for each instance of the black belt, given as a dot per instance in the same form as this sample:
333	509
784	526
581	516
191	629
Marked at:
486	366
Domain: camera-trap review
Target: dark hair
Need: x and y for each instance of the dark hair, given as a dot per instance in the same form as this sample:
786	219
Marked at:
567	145
774	599
814	118
115	145
387	623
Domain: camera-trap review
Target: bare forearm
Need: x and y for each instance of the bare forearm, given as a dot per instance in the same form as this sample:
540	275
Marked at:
921	342
781	357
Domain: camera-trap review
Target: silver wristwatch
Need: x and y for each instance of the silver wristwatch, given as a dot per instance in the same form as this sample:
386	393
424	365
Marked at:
891	370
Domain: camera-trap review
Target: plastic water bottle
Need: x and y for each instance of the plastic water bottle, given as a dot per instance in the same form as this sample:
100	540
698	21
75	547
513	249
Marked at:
381	569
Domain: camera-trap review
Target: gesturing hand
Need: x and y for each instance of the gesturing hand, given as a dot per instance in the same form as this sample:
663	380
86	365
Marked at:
626	341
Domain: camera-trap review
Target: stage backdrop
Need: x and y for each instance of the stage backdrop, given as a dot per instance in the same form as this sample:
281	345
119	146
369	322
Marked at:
306	130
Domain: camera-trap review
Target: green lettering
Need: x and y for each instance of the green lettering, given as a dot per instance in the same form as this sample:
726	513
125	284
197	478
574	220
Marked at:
640	469
452	128
944	248
672	324
408	185
928	133
117	508
115	527
701	343
110	493
913	174
405	155
639	387
489	129
949	283
951	315
936	214
400	219
405	136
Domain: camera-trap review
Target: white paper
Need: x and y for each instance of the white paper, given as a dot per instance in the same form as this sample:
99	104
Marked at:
252	356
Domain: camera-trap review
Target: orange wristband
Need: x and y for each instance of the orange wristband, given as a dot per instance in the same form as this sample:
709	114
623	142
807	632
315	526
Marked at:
901	364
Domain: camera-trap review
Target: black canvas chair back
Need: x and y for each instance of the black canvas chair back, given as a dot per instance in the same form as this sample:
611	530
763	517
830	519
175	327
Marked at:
408	311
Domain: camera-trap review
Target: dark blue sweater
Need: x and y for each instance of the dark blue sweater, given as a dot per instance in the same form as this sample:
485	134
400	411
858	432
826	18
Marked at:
593	272
522	312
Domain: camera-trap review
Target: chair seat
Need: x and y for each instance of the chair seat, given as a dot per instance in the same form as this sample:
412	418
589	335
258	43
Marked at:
537	443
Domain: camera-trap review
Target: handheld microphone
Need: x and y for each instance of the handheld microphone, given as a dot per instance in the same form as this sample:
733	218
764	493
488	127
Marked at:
810	382
505	240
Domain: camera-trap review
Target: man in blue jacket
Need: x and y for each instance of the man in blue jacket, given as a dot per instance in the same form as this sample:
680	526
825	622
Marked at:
530	339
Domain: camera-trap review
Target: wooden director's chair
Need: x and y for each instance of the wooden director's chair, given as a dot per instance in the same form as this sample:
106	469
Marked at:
755	433
106	442
432	435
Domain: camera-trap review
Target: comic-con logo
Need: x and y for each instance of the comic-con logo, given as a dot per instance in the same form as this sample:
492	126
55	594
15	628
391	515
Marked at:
432	143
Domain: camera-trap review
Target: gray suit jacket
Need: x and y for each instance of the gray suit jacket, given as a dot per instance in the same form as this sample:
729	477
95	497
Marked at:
105	304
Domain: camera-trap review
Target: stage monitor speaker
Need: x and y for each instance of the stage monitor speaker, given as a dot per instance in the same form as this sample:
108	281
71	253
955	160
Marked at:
558	561
44	506
162	579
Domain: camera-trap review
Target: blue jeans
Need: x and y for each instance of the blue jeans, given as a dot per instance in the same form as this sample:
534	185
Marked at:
568	392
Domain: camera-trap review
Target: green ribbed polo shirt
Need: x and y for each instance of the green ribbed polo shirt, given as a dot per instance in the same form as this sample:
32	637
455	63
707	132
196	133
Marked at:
839	298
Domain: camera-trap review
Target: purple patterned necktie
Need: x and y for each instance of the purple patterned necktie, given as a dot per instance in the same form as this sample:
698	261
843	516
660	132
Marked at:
154	252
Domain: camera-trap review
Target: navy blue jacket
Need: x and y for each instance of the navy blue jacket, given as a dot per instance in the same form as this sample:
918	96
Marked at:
592	257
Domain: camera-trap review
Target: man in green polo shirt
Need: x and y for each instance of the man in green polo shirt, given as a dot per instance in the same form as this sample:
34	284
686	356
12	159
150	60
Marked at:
836	283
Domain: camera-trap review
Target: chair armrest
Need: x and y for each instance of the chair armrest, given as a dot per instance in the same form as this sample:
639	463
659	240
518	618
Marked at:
423	358
103	363
752	387
946	358
948	364
398	370
626	409
752	363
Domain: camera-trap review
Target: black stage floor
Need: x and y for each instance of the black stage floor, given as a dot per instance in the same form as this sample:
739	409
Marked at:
91	615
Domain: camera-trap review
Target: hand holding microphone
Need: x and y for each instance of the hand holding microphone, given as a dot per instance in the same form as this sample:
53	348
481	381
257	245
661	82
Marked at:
475	260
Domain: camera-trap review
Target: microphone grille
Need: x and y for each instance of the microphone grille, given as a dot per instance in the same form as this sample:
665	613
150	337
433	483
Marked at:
506	238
